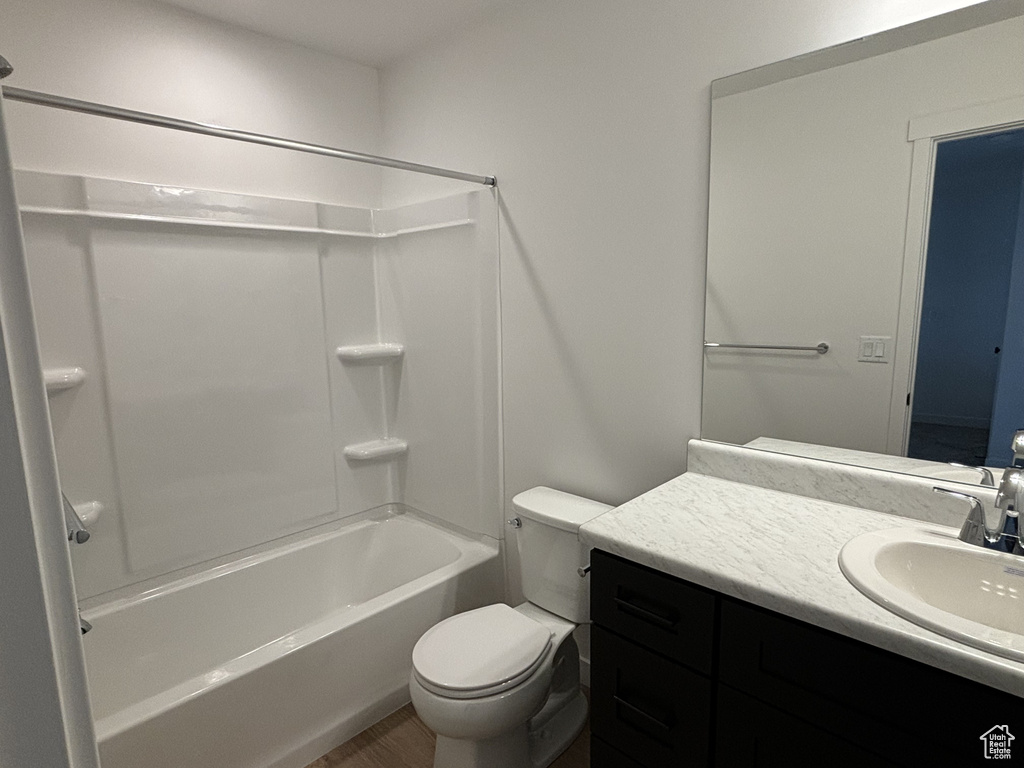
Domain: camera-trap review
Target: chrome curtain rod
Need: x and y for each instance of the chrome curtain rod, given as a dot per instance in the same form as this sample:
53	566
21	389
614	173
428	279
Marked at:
821	348
174	123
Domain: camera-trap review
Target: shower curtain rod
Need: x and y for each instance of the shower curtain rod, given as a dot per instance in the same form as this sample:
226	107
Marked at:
174	123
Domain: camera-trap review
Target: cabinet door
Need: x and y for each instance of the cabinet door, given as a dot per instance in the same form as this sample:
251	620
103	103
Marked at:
750	734
911	713
653	710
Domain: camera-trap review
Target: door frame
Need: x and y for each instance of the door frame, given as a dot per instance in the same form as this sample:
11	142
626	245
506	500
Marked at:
926	133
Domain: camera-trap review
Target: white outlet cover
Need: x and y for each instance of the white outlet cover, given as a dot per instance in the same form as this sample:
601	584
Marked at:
874	349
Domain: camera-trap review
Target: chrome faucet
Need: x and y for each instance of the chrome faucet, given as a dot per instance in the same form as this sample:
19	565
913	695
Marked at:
974	530
1005	537
1008	499
1018	448
75	526
986	473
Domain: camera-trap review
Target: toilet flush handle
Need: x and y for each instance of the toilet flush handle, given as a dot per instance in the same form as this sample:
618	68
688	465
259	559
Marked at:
515	522
583	571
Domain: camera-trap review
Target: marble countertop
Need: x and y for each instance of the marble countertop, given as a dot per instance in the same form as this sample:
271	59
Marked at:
780	551
873	460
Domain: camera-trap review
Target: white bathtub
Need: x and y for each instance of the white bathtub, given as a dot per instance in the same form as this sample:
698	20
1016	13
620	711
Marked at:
275	659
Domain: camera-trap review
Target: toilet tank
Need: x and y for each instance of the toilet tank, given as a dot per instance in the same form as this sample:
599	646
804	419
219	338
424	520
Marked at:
550	551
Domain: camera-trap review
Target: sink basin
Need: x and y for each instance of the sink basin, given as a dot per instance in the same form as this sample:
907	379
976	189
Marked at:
928	576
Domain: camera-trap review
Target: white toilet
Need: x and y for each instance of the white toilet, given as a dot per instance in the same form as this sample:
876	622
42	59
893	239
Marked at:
501	686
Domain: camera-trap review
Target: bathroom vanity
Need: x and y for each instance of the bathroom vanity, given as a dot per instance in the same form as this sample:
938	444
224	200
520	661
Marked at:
724	633
683	675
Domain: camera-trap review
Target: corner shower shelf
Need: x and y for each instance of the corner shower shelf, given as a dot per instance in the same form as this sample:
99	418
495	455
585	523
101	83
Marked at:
59	379
371	353
386	448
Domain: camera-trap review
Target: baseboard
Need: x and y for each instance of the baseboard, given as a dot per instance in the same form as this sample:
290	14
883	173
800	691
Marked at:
975	422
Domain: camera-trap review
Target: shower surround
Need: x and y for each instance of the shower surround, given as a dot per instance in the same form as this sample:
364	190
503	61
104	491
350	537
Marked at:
231	374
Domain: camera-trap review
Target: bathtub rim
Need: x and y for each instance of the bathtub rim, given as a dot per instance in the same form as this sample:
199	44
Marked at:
474	551
105	602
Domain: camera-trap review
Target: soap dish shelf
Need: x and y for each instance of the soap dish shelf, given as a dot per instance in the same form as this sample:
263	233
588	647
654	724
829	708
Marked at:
88	512
371	354
60	379
375	450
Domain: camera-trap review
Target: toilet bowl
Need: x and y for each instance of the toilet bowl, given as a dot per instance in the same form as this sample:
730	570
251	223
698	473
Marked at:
500	685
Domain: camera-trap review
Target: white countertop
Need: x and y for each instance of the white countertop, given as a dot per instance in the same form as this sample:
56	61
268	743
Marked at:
882	461
779	551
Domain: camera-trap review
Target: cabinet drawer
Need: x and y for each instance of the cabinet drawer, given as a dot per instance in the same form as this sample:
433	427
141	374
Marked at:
909	712
654	711
749	734
653	609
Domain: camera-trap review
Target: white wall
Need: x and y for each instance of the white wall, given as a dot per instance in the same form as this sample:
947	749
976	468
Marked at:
156	58
595	119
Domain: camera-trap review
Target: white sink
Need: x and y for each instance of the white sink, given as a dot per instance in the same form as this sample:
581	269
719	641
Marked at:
967	593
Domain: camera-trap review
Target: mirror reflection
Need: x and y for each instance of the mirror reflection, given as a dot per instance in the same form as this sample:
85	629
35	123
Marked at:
865	290
970	363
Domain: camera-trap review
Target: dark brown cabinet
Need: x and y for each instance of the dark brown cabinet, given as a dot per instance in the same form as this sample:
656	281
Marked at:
648	706
683	676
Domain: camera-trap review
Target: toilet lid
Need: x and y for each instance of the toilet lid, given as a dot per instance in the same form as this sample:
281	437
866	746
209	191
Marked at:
480	652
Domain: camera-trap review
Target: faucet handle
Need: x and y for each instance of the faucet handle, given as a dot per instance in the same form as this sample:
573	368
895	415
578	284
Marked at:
1018	447
973	531
1010	488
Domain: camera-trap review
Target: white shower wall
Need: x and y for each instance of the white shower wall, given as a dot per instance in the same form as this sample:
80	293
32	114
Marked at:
215	410
439	296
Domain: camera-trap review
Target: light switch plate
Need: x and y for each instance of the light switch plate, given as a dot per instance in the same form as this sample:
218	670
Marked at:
874	349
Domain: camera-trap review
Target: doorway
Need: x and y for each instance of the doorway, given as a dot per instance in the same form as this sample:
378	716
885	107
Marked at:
969	382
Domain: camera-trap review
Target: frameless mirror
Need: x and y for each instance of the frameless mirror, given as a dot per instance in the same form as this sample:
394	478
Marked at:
865	281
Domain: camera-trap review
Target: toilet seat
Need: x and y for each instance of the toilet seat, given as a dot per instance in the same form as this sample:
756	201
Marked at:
480	653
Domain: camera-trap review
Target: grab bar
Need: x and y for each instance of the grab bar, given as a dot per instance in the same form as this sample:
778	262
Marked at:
821	349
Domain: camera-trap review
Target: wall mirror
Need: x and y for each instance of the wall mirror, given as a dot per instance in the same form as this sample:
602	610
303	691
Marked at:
865	281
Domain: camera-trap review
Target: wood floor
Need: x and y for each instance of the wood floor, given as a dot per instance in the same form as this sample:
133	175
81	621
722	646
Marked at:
401	740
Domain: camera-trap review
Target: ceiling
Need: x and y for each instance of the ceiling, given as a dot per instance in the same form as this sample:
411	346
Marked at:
371	32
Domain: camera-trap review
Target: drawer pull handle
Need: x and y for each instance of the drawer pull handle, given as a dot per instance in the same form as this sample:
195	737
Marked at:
643	613
646	715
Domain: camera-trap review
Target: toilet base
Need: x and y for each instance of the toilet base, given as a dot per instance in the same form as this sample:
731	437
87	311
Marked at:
509	750
520	747
550	740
